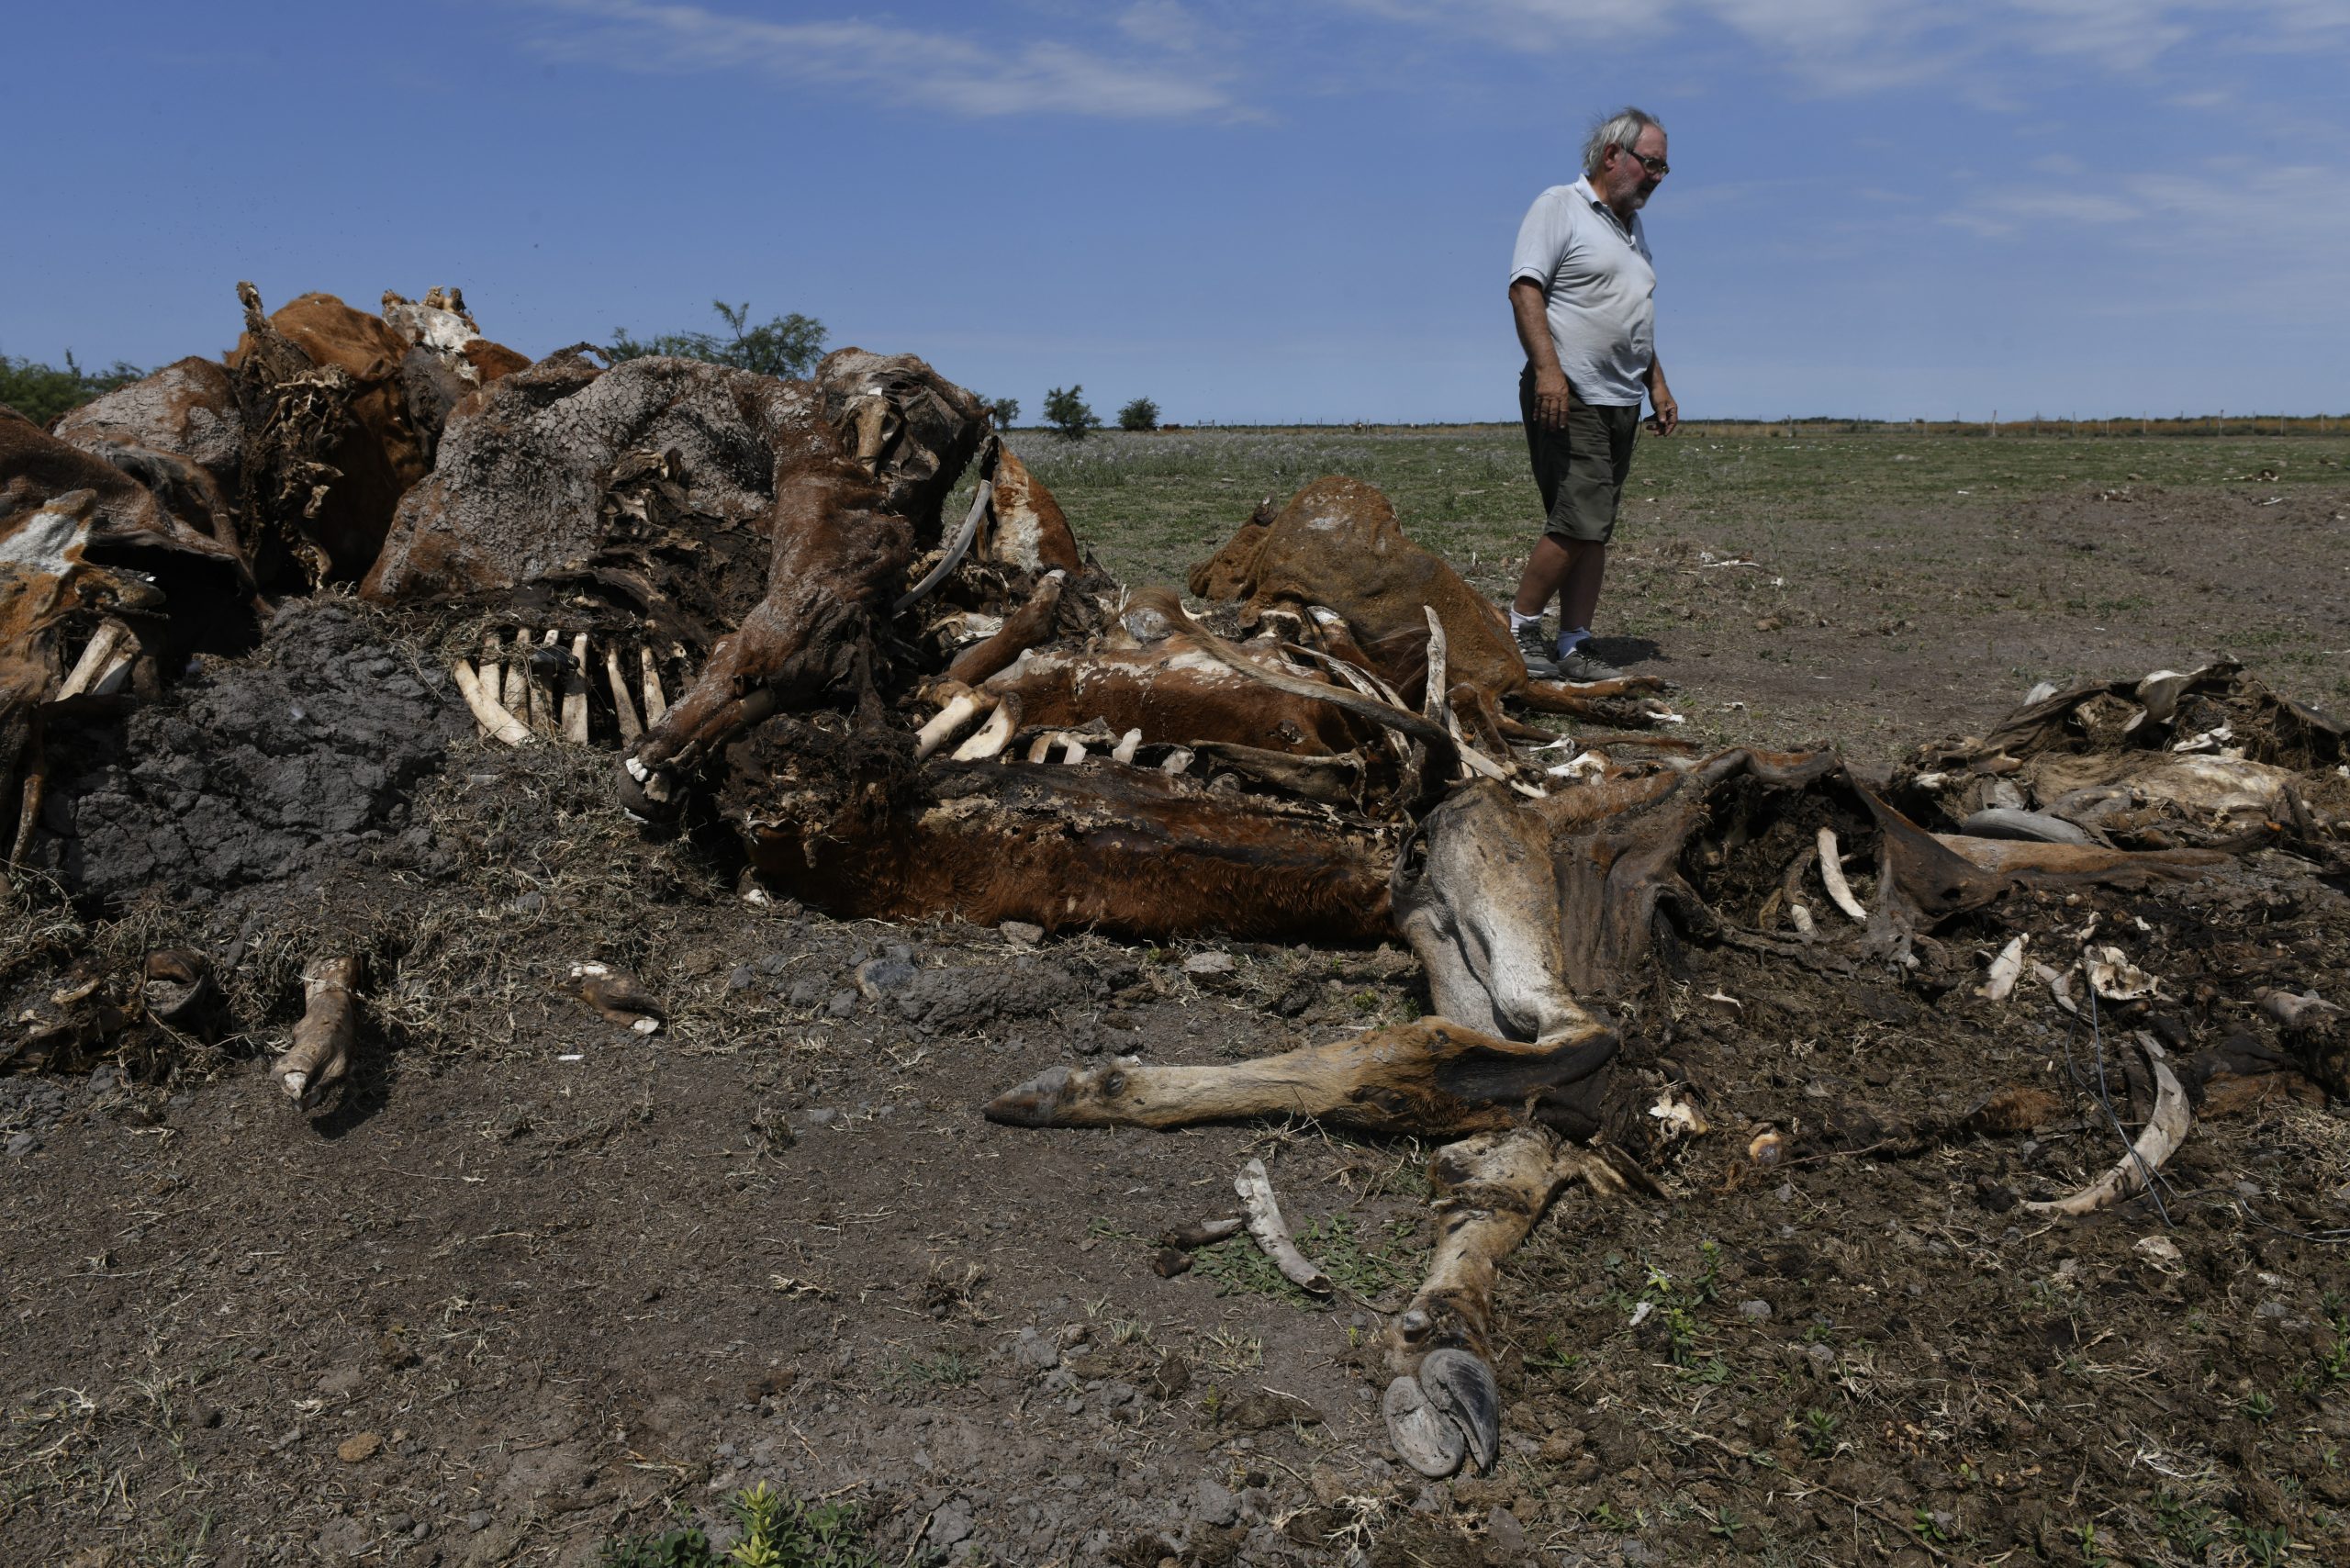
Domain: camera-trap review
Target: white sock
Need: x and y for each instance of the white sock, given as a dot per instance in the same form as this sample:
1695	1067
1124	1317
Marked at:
1571	638
1519	623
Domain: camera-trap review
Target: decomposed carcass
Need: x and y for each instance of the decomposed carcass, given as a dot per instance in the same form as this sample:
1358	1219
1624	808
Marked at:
765	600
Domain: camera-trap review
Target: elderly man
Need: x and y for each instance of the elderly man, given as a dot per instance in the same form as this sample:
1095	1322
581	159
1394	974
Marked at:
1582	288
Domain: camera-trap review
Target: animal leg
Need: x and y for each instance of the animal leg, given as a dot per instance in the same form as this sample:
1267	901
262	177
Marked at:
1431	1077
1443	1405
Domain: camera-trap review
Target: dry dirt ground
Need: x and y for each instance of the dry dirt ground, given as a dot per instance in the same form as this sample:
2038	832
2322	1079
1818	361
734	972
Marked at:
540	1282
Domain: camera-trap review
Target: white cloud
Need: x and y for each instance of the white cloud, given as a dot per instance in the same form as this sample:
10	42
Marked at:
2293	219
898	65
1861	46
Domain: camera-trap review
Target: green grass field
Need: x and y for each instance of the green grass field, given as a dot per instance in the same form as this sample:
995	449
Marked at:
1907	584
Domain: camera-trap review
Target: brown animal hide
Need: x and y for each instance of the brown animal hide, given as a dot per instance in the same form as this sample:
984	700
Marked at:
181	417
329	445
1024	627
2204	756
1025	526
1336	543
88	553
1096	845
857	491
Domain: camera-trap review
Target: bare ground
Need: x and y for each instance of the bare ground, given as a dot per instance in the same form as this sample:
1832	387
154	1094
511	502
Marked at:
504	1305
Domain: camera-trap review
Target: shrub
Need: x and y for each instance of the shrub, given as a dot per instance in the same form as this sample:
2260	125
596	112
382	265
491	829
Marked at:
43	392
787	346
1003	412
1142	414
1065	412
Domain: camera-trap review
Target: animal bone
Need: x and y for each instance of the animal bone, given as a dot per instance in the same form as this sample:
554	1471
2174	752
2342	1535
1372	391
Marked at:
1271	1233
516	695
623	705
1124	750
2308	1010
948	722
1072	747
319	1055
1205	1233
575	693
2163	1133
2116	979
991	738
953	555
488	713
105	664
1042	746
656	707
546	714
493	649
1832	873
1430	1077
1032	624
2006	969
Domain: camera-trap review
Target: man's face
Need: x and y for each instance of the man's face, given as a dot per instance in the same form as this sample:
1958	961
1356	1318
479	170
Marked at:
1625	179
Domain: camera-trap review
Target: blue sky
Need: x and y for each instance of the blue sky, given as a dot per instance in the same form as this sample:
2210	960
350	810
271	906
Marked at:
1296	211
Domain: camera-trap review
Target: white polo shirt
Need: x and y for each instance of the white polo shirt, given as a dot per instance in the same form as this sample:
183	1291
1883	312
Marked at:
1600	285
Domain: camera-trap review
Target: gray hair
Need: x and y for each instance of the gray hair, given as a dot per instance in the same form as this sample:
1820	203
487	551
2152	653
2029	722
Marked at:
1619	129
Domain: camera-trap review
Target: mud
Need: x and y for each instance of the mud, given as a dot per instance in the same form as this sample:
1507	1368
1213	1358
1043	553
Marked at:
276	771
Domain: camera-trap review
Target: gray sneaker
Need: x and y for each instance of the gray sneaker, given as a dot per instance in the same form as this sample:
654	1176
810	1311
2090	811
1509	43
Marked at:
1536	650
1581	666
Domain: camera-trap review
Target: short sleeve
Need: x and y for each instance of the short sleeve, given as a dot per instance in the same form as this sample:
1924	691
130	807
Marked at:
1542	239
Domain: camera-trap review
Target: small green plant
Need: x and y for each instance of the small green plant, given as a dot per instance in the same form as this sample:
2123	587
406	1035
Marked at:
1067	412
2258	1406
1923	1525
778	1531
2092	1555
1364	1266
1551	1359
2265	1546
686	1548
2187	1524
1142	414
1725	1523
1820	1432
942	1369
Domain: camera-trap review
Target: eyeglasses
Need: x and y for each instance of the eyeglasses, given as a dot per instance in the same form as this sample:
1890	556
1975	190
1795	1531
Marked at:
1656	166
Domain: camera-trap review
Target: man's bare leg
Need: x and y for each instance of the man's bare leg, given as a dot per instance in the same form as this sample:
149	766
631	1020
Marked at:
1572	571
1579	586
1545	569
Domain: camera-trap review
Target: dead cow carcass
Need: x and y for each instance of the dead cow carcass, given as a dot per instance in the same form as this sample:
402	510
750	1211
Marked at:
1337	545
102	587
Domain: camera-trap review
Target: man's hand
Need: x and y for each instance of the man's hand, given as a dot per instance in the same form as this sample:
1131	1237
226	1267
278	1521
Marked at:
1551	397
1666	417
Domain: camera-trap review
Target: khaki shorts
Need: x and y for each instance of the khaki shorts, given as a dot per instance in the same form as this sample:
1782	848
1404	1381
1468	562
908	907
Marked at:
1581	469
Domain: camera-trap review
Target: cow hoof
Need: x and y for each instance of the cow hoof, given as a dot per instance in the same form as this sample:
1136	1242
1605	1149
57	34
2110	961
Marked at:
1462	1386
1036	1104
1424	1438
647	794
